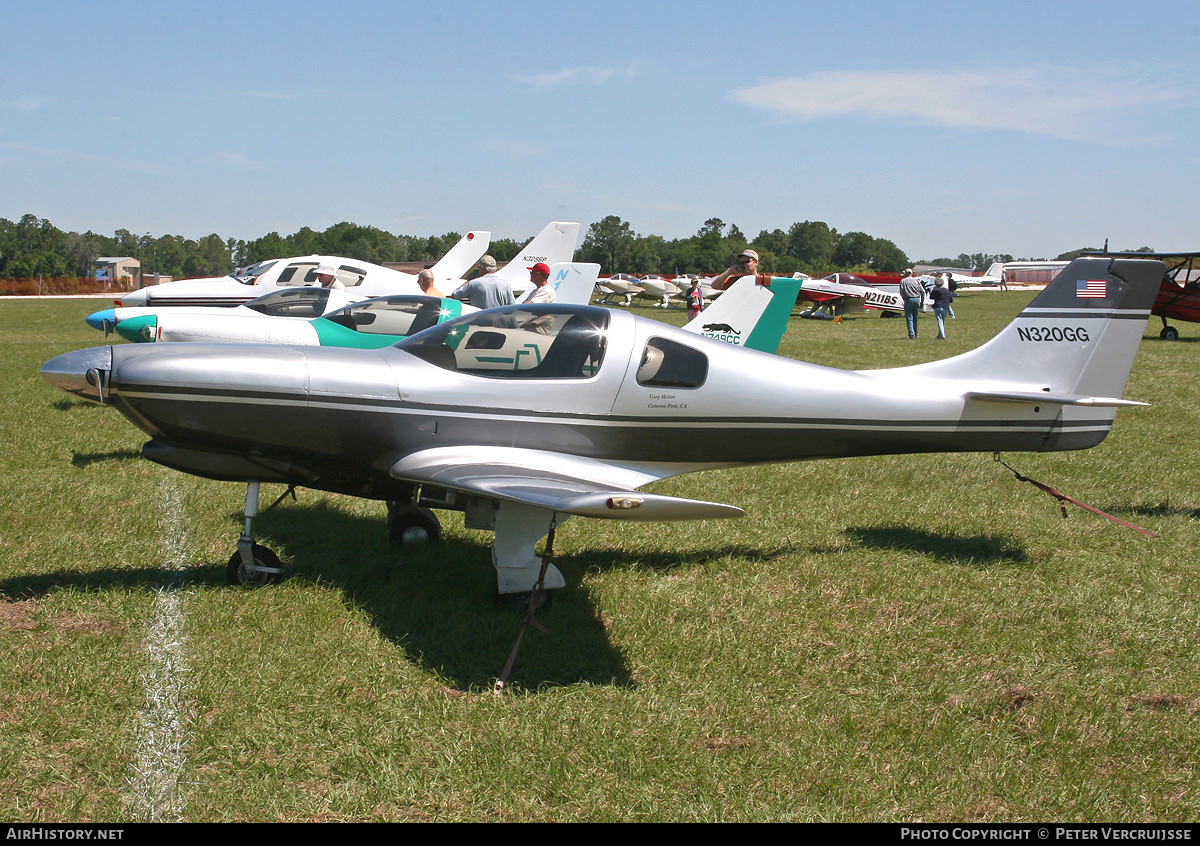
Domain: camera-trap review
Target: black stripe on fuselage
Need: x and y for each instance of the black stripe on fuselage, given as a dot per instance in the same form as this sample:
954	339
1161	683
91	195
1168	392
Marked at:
338	431
349	403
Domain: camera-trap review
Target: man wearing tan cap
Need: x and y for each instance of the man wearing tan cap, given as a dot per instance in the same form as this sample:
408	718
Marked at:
746	265
487	291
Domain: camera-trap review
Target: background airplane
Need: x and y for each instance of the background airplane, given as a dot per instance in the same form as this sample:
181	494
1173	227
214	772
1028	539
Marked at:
839	293
360	277
368	324
594	404
303	302
1179	294
619	285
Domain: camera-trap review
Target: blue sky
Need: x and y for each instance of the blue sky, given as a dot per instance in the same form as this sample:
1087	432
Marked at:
1026	128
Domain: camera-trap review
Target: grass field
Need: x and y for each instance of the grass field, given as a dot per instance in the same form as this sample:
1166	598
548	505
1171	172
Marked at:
907	638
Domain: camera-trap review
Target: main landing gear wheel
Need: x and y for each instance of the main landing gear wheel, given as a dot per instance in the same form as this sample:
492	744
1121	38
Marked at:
415	526
1169	333
238	574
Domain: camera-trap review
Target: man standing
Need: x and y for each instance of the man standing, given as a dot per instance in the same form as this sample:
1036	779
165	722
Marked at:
941	297
913	293
746	264
487	291
542	291
425	280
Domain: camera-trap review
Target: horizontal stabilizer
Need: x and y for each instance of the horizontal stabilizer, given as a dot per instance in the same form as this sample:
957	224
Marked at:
1057	399
563	483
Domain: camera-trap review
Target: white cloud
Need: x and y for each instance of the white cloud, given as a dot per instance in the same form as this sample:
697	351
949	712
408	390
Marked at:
575	76
1058	102
56	156
30	104
228	158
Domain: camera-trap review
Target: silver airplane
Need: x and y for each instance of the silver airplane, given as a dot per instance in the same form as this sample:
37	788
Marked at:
524	416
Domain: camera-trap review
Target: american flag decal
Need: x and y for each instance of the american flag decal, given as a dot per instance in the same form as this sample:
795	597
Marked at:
1091	289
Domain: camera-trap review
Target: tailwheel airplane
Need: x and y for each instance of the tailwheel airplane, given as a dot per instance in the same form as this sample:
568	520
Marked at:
1179	294
840	293
602	404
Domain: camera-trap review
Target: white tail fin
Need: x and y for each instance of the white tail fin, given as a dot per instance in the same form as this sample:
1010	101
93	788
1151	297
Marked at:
573	282
554	244
1076	340
749	314
462	256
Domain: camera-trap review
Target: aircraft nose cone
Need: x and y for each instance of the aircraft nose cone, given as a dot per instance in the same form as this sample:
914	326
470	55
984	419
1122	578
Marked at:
140	297
138	329
83	373
99	318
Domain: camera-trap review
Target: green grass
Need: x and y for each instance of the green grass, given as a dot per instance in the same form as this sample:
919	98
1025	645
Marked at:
901	638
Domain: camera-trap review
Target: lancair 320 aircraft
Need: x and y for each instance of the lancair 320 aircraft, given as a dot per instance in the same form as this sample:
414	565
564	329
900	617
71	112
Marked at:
359	277
377	322
594	404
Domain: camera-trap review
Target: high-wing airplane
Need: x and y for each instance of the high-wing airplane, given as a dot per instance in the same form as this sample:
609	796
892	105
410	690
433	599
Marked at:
525	416
360	277
377	322
1179	295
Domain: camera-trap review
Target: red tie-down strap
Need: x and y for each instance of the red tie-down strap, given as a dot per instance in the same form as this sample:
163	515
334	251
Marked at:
535	600
1063	499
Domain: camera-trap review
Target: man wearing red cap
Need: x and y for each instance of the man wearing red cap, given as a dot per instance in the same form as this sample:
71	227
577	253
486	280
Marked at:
541	292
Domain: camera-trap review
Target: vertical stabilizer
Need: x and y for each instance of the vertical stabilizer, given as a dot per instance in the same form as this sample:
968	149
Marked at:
749	315
555	243
573	282
462	256
1079	336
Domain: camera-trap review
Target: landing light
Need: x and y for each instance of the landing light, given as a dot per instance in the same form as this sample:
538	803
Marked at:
624	502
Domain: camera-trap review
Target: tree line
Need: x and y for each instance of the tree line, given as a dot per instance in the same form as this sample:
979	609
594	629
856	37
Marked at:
33	247
812	247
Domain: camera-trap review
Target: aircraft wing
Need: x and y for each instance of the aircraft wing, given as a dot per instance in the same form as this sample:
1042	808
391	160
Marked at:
820	296
565	483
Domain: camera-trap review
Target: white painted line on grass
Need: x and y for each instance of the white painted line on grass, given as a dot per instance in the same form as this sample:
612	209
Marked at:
156	786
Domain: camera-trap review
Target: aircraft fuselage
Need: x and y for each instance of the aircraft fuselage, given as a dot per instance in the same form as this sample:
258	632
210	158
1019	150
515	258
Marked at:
337	419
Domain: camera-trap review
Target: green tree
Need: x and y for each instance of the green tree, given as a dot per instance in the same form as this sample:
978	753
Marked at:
812	242
886	257
610	242
853	250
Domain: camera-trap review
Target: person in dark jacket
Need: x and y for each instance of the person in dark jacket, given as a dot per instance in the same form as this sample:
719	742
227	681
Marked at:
941	296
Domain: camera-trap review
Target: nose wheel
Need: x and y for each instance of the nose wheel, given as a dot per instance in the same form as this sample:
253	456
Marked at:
253	565
266	568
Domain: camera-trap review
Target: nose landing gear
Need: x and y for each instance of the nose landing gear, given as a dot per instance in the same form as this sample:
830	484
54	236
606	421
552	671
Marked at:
253	565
